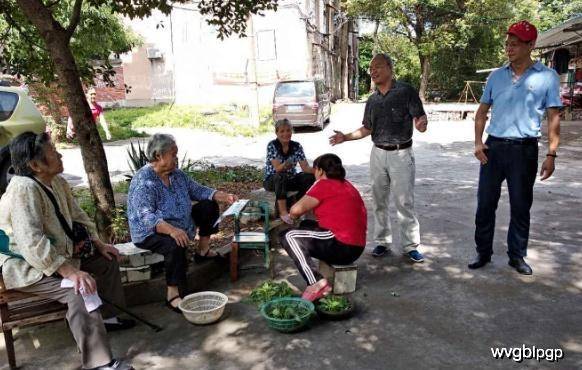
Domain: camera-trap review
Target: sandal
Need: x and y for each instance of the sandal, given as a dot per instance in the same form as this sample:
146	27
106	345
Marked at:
315	295
169	304
198	258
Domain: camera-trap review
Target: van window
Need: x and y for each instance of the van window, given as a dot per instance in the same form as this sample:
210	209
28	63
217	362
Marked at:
295	89
8	102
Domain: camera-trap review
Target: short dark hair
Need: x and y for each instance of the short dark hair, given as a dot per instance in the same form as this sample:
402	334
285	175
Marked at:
27	147
282	122
331	164
386	58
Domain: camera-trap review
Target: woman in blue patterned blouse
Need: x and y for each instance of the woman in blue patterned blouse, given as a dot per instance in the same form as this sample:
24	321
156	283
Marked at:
161	216
283	155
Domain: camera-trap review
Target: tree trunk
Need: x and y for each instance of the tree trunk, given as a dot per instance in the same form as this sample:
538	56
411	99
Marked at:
57	41
354	62
344	67
375	46
375	50
424	76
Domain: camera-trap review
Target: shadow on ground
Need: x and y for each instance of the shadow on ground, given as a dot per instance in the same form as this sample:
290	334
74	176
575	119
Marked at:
437	314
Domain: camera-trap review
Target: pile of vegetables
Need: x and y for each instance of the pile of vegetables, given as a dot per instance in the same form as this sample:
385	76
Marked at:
334	303
270	290
287	311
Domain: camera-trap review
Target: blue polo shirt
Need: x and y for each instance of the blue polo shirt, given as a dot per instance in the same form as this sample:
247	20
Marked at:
518	107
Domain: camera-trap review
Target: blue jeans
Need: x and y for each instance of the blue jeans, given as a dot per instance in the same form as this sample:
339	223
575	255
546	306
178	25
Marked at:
515	161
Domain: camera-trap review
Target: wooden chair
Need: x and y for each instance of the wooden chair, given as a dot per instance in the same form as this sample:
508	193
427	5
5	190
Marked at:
18	309
251	240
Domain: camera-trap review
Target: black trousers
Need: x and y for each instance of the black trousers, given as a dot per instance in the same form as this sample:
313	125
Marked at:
515	161
309	240
204	213
281	183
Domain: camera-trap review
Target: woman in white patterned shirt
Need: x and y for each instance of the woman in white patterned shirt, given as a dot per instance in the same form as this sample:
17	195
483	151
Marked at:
42	253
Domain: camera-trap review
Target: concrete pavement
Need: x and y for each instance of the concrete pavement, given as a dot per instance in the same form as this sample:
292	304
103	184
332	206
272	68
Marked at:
433	315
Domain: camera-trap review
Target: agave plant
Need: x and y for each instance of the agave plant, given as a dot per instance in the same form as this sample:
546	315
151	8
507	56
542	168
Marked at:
137	157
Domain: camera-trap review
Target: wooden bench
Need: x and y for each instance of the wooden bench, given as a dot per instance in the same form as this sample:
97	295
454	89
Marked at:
19	309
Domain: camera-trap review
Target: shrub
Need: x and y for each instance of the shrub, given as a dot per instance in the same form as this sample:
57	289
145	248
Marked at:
207	173
119	226
121	187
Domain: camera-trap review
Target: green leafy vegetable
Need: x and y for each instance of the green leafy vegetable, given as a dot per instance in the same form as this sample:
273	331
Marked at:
270	290
334	303
287	311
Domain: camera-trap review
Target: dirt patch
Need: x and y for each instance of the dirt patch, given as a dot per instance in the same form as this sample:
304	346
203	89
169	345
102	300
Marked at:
226	229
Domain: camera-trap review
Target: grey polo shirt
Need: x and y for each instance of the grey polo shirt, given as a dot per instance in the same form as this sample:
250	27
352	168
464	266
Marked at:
390	116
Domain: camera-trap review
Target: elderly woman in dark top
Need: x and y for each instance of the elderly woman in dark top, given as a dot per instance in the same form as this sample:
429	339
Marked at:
283	155
161	215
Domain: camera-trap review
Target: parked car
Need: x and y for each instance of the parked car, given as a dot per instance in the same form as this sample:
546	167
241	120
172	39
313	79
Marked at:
302	102
18	114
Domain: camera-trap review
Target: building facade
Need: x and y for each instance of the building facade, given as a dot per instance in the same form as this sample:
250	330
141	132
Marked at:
182	60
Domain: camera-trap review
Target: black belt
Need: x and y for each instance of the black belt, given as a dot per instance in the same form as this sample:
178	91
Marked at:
517	140
405	145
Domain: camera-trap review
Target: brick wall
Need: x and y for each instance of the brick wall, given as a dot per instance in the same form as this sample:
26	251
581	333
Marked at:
111	95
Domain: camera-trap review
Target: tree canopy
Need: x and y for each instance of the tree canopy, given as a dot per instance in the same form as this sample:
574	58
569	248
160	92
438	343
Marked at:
99	36
51	31
451	39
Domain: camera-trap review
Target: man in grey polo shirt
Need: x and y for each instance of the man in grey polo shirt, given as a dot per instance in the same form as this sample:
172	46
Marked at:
520	93
389	115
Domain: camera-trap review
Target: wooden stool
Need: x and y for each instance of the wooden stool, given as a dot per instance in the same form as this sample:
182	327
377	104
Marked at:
341	277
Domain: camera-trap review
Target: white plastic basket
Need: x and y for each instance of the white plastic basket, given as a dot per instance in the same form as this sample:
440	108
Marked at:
203	307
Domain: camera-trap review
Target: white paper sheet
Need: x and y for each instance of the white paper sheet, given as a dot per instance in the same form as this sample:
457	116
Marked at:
92	301
234	208
128	249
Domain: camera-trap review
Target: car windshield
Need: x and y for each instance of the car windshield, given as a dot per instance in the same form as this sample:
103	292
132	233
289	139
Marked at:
8	102
295	89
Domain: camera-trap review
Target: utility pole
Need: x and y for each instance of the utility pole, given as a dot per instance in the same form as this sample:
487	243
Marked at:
254	83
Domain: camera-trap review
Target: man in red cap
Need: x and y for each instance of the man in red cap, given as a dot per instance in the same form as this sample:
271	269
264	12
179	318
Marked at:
519	94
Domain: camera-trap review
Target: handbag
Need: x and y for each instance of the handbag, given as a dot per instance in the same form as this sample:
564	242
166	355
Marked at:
78	233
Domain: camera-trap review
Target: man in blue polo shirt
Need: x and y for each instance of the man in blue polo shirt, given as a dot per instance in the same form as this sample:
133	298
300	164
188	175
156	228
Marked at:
520	93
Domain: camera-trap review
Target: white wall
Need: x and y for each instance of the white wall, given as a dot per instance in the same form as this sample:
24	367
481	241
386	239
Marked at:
198	68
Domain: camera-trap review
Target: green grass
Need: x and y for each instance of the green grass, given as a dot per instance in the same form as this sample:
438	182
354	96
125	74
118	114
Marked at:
121	187
85	200
120	132
225	120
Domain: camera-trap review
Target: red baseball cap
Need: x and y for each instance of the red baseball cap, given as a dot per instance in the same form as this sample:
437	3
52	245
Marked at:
524	31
